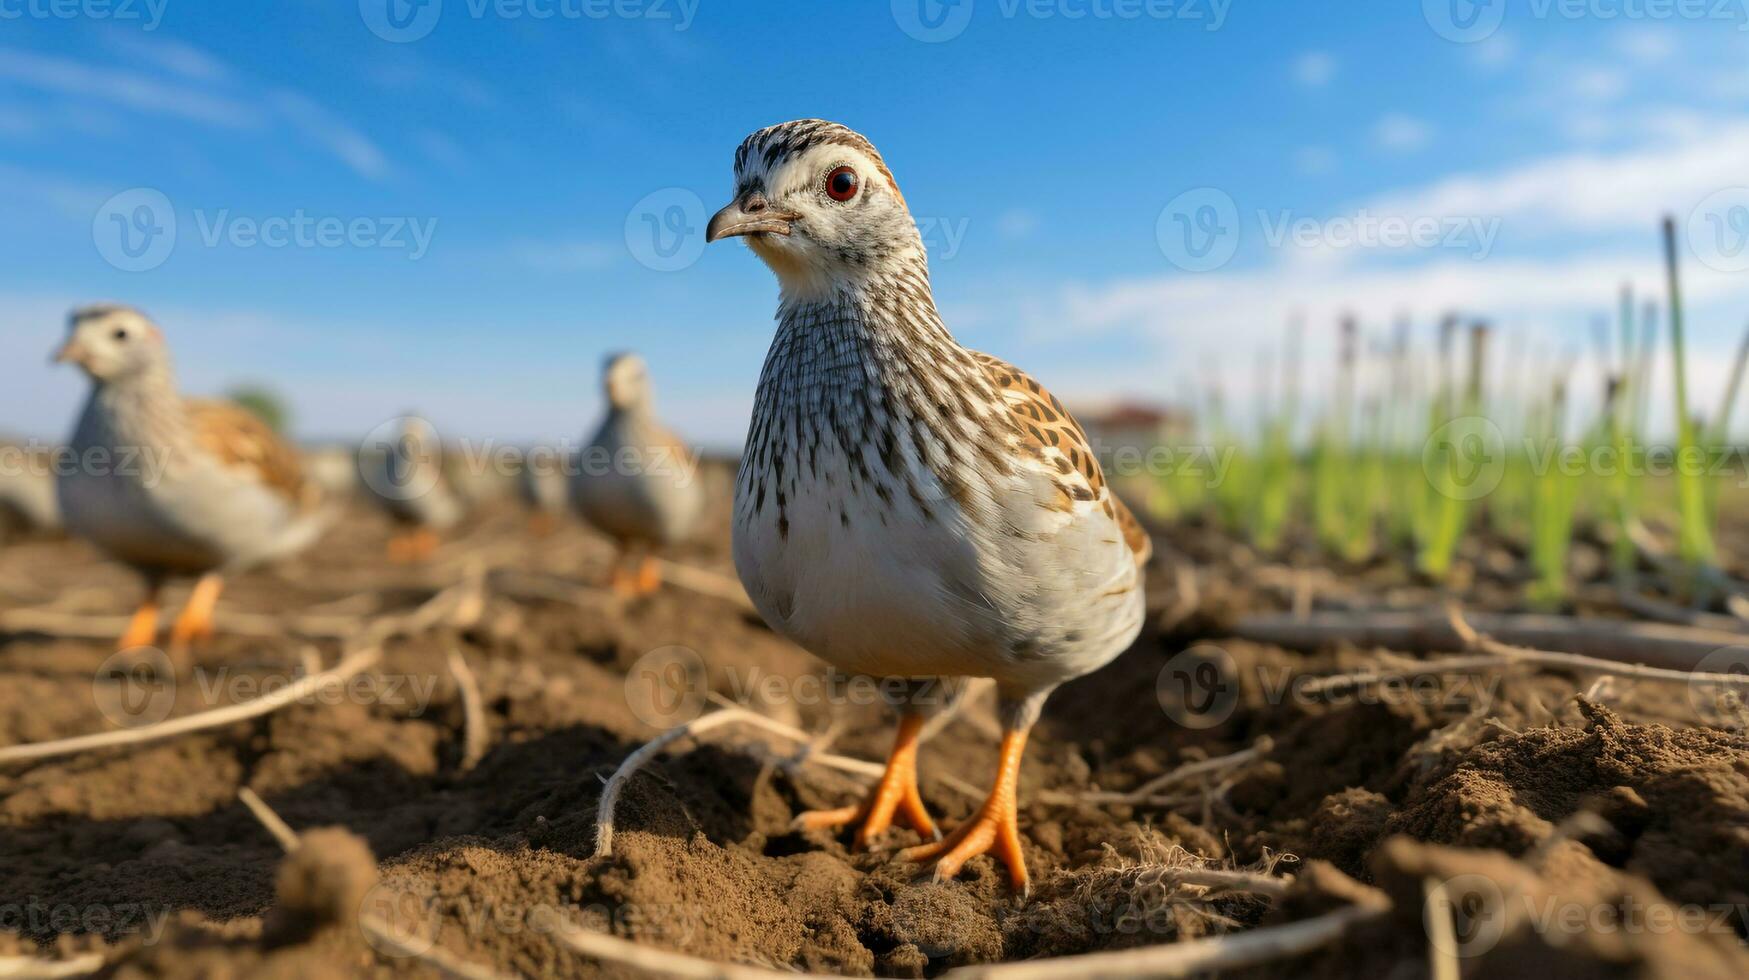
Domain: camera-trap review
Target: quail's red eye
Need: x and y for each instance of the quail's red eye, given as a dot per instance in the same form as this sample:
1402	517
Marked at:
841	184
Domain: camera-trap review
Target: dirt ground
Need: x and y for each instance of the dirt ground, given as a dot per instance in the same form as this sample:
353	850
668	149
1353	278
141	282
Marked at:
1581	828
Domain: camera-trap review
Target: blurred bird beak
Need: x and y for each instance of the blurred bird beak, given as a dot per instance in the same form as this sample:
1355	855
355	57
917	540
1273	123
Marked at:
72	352
748	215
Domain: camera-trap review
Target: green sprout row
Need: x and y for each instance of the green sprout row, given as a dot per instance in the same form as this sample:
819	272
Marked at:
1425	459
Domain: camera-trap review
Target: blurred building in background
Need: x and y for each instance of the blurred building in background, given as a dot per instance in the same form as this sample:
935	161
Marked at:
1135	424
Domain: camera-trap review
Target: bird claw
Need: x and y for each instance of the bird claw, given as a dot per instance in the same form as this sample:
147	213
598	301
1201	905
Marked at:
895	796
991	831
824	819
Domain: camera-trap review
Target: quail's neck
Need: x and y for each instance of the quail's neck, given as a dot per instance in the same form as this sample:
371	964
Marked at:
632	413
891	303
149	385
142	408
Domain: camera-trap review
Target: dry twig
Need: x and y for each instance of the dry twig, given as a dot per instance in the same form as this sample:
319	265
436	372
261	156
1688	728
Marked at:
30	968
705	582
367	652
1188	958
651	961
475	738
1437	911
1149	792
1183	959
1548	640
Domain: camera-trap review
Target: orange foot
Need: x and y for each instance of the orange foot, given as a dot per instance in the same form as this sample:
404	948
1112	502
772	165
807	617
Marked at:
895	794
142	629
424	544
621	581
194	627
412	546
994	829
649	579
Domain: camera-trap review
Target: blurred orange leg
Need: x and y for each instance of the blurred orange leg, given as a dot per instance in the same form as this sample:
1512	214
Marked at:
542	524
142	629
620	578
995	828
649	577
423	544
195	625
895	795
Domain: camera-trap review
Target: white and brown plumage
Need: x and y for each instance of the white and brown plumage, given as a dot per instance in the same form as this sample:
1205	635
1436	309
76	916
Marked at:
636	481
173	486
411	479
542	486
27	492
907	507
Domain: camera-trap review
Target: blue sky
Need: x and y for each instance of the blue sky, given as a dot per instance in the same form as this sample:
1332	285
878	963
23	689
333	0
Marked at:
1056	152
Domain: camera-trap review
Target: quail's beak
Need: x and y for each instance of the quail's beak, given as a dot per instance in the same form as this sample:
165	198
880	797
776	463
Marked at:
72	352
749	215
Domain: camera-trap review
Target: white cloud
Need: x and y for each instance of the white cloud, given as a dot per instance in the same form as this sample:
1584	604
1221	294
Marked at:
1597	84
320	126
1589	192
1496	52
126	88
1239	313
1016	223
174	56
141	92
1647	45
1314	160
1567	200
70	198
1400	133
1314	69
408	73
1251	305
442	150
1733	84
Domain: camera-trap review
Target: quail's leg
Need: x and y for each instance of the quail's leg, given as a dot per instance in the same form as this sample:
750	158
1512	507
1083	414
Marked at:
649	579
895	795
142	629
542	524
424	544
995	828
400	550
194	626
620	578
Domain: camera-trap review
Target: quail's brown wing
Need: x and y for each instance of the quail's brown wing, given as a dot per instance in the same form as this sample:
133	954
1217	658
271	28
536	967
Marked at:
240	439
1047	428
